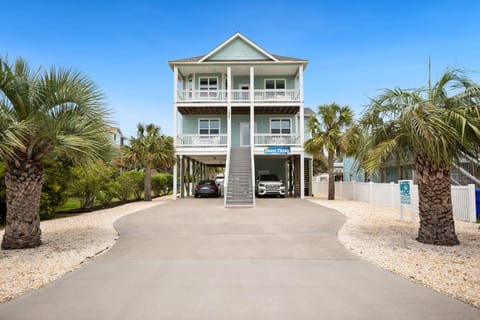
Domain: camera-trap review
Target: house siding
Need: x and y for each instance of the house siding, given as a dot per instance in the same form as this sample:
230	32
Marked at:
238	49
190	122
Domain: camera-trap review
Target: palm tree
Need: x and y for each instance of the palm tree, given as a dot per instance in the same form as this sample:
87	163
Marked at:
153	150
327	133
435	129
43	114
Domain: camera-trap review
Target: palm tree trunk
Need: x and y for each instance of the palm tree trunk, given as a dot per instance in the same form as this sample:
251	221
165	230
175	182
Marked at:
435	204
24	186
331	177
148	184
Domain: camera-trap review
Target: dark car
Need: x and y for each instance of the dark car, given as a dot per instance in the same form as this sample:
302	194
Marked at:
207	188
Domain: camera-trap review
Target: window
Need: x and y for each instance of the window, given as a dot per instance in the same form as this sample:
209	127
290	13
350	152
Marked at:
275	84
209	126
280	126
208	86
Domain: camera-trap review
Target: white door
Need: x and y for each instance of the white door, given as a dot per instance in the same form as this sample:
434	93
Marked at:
244	133
244	94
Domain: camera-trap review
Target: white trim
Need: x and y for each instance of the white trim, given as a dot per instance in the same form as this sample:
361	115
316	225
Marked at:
209	119
241	36
281	119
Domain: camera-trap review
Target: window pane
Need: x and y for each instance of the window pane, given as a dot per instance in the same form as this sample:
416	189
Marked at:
269	84
203	124
203	131
203	83
280	84
214	131
214	124
275	131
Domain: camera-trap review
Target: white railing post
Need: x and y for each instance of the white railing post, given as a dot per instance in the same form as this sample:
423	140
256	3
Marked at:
472	207
392	194
353	190
370	192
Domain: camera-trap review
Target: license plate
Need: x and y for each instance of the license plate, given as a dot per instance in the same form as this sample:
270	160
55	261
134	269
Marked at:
205	188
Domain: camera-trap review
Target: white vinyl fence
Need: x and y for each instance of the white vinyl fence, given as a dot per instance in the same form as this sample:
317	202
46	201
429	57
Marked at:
388	194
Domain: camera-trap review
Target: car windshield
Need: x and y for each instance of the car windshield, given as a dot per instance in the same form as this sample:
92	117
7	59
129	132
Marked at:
269	177
207	182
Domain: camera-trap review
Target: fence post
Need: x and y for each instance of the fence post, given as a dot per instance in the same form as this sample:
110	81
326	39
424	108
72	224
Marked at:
392	193
353	190
472	207
371	192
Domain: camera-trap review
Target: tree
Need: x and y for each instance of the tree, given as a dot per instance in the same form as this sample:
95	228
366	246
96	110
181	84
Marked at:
327	136
151	149
434	128
43	113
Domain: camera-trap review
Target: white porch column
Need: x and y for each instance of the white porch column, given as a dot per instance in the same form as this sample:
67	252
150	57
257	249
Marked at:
252	106
302	117
175	95
229	107
302	134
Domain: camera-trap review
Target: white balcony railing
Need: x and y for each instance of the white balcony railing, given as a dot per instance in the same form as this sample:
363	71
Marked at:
202	95
272	95
202	140
277	139
263	95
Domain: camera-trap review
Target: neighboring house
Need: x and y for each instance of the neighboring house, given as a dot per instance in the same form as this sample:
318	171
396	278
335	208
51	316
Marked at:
118	139
241	107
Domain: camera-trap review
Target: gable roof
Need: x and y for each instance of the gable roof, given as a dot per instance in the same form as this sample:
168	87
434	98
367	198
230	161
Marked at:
215	55
233	38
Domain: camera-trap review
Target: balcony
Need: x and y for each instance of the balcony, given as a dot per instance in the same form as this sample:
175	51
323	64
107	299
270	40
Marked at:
221	140
277	139
239	96
201	140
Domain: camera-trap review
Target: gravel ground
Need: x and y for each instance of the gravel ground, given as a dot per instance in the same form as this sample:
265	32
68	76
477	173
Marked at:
67	244
377	234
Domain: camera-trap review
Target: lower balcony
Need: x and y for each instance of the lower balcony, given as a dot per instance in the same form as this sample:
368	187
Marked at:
202	140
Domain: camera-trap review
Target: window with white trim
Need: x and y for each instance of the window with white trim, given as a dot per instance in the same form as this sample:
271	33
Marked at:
208	86
209	126
275	84
280	126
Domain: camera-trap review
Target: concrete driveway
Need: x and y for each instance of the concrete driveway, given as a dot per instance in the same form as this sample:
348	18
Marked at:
194	259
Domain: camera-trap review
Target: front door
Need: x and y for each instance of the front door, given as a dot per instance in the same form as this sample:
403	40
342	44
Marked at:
244	134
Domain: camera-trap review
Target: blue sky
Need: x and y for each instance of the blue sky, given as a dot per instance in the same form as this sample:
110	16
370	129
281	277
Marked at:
354	47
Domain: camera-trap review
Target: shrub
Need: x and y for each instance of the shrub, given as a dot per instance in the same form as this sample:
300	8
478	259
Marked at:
128	184
162	183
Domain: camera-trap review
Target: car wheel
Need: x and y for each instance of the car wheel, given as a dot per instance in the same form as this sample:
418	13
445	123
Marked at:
282	196
196	196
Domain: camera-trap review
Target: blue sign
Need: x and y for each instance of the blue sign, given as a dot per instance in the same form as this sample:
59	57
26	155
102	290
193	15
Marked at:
405	192
276	150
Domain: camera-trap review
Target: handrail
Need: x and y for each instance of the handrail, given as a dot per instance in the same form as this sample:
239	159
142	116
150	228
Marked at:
226	177
206	140
261	139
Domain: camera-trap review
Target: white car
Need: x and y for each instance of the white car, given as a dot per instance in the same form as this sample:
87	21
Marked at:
269	184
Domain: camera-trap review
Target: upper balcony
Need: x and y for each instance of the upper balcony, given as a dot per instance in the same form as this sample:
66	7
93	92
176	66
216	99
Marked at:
238	96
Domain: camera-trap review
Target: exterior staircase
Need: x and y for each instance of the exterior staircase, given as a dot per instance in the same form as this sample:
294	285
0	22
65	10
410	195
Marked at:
239	185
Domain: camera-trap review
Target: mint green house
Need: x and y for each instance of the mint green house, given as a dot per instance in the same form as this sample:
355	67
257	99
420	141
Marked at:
241	107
